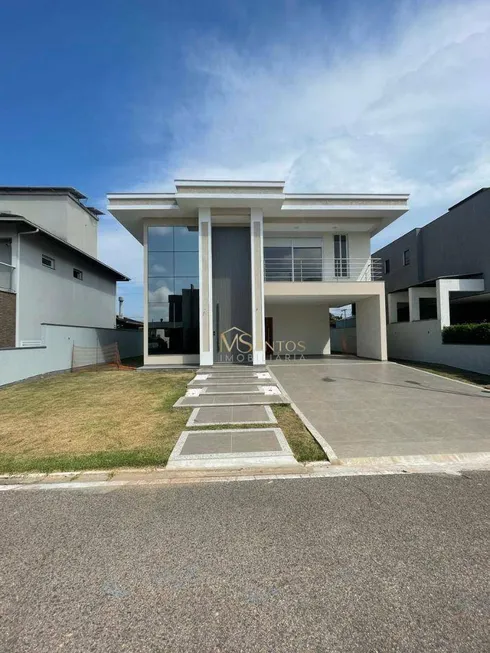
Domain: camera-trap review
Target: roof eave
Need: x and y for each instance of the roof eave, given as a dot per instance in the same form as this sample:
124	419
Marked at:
19	218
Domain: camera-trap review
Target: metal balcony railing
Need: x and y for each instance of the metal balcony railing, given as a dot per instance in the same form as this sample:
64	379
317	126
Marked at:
318	269
6	276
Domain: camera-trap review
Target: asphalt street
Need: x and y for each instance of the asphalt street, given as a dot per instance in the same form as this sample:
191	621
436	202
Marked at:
369	564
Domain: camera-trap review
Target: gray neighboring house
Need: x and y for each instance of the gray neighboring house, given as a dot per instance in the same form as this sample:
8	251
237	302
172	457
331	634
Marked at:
442	271
436	276
49	271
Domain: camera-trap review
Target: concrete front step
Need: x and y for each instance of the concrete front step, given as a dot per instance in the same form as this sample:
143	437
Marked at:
221	382
231	377
230	400
230	448
239	415
245	372
231	390
225	378
231	368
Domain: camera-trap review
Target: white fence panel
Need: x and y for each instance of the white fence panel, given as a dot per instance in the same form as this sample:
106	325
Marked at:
422	341
55	355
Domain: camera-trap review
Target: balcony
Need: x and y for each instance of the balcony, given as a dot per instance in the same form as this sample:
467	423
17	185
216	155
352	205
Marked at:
6	276
319	269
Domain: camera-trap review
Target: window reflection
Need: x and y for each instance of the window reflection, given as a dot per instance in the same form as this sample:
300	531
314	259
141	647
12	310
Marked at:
160	264
186	264
173	290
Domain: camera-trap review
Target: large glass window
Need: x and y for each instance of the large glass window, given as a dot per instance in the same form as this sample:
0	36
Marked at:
293	263
173	290
307	263
278	263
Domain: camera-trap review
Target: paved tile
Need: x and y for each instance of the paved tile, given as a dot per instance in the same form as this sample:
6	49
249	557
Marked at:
229	400
383	409
243	383
207	416
250	441
206	442
231	389
231	447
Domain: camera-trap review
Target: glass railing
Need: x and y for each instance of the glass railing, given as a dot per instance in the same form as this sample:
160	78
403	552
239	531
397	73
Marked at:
318	269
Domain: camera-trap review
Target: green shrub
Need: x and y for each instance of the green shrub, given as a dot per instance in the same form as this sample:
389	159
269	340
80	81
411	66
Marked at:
467	334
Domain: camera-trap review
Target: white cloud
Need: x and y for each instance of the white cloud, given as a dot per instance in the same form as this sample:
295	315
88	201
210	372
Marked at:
401	107
407	110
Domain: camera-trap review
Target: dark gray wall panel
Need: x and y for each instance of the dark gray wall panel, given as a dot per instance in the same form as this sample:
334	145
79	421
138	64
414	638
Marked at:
232	287
456	244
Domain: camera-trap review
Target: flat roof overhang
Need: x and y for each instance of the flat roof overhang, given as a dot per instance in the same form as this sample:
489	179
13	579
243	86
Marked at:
332	293
132	209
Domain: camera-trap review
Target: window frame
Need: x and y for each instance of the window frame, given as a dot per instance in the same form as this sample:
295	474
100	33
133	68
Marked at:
172	291
287	273
406	257
76	273
387	266
341	263
44	257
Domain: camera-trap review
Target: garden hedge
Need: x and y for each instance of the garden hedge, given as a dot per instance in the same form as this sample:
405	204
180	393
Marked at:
467	334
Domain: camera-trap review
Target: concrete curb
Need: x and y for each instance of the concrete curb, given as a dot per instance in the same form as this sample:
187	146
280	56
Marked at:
451	464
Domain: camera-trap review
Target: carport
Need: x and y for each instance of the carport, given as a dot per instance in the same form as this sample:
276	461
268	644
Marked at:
366	408
299	312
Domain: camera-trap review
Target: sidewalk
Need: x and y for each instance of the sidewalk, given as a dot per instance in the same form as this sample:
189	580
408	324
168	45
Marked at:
113	479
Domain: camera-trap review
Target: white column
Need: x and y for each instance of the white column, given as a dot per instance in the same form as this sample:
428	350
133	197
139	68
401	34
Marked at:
445	286
257	275
414	296
145	294
205	288
393	299
413	305
443	309
371	327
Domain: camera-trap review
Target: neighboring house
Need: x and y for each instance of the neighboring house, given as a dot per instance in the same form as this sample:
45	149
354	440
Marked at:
437	276
49	272
442	271
238	270
128	323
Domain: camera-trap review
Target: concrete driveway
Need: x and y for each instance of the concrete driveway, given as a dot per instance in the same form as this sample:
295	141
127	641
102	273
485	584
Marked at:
368	408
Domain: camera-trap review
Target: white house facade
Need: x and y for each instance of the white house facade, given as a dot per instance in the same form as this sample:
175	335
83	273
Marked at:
238	271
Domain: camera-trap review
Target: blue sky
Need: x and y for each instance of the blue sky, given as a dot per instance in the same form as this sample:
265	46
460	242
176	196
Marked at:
332	96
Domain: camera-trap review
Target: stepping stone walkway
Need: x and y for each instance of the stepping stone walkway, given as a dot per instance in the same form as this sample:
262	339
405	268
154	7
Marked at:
225	396
218	415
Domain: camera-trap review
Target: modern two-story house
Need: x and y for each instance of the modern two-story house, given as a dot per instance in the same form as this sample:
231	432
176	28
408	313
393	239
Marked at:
49	270
236	271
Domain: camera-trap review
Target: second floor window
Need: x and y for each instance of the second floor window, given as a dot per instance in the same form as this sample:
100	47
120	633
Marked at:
341	255
48	261
387	266
293	262
406	257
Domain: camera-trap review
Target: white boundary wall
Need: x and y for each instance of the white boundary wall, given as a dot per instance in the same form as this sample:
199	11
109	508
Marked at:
343	340
55	354
422	341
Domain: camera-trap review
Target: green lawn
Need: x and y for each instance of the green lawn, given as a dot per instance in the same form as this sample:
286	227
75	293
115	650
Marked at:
106	419
85	420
